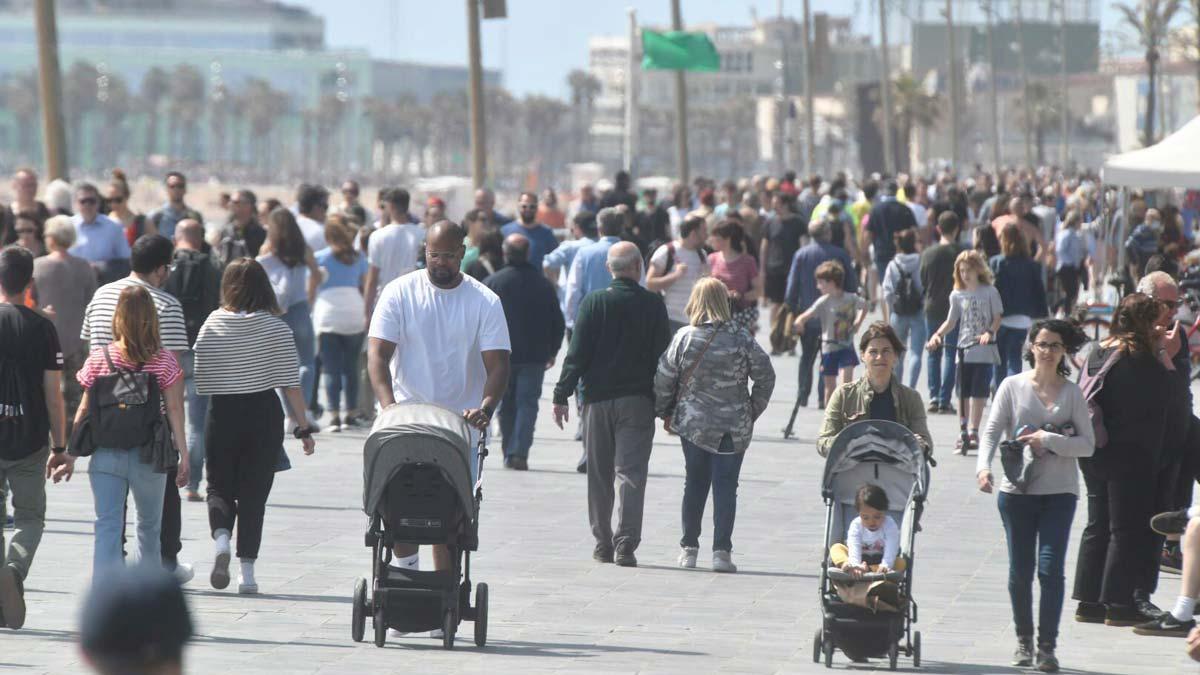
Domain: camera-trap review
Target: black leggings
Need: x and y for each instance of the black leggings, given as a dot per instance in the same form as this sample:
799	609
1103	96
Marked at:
242	438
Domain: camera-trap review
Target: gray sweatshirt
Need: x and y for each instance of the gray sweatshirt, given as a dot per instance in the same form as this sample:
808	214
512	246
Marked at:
1017	405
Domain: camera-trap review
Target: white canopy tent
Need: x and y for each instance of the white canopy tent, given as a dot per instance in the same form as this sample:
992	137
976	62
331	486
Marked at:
1173	162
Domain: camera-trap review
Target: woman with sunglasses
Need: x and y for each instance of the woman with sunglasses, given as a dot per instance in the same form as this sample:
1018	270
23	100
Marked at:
135	224
1042	417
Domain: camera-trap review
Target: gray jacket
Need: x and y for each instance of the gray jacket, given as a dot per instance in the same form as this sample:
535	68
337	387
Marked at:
715	400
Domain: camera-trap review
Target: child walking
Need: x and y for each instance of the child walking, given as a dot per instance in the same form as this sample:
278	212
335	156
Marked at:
976	304
836	309
873	539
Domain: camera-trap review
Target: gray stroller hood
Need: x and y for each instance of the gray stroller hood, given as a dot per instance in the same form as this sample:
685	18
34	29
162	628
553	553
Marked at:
875	451
409	433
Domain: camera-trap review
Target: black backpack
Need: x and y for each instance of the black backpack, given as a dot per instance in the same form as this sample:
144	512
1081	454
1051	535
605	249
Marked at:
195	282
124	407
908	298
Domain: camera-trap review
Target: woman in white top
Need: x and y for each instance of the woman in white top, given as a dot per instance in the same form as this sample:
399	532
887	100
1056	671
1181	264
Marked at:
1047	417
244	353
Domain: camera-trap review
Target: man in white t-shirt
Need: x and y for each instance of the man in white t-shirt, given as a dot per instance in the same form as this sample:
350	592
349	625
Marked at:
394	250
676	267
439	336
312	205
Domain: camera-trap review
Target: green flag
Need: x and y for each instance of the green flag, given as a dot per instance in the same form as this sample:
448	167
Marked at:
676	50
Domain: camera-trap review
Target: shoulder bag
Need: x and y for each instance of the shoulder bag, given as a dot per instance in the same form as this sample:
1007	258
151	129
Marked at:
683	381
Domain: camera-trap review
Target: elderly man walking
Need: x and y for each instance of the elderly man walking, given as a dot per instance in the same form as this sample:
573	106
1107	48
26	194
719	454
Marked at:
620	333
535	329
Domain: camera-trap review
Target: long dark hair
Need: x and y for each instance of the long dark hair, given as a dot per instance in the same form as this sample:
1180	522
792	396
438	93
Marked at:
285	237
1073	339
1133	324
245	287
727	229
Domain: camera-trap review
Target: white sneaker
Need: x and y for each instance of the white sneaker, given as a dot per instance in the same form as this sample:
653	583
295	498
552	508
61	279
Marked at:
723	562
687	556
248	589
184	573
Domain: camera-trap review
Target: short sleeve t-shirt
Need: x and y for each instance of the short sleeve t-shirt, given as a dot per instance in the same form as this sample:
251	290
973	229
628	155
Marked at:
395	250
28	348
98	317
164	366
541	240
975	312
737	275
784	236
440	334
289	283
339	274
677	294
837	317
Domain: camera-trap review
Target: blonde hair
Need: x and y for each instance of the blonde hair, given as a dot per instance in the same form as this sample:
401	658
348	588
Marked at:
61	230
971	259
709	301
135	324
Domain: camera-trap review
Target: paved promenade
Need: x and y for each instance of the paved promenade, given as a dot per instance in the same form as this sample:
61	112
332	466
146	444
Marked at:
552	608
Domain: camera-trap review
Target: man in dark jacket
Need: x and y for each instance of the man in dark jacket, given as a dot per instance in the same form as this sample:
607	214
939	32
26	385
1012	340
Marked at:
535	328
195	280
888	217
620	333
242	236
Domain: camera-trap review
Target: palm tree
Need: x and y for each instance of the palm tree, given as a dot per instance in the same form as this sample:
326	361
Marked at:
219	106
1151	21
187	103
914	108
264	107
544	118
155	85
115	104
584	90
19	96
1044	110
80	90
328	116
450	131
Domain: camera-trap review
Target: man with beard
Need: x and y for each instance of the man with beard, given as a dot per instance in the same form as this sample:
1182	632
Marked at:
541	238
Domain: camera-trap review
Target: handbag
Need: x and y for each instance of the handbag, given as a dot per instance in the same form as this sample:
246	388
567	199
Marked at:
81	443
683	381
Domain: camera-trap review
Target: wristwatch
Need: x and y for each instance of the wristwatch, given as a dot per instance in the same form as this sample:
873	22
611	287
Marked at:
58	450
302	432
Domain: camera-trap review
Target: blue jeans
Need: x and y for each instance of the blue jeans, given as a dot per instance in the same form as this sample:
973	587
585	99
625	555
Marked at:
298	317
519	407
1010	342
720	471
1038	528
112	474
911	331
941	379
197	413
339	361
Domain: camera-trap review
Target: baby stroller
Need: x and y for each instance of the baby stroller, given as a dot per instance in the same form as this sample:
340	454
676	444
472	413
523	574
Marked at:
417	490
888	455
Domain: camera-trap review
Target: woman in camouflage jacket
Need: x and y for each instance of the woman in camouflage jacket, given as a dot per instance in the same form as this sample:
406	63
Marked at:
701	393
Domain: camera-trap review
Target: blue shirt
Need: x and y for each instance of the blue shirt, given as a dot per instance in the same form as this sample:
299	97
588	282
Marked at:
541	240
560	259
168	218
1070	249
337	273
589	272
802	281
100	240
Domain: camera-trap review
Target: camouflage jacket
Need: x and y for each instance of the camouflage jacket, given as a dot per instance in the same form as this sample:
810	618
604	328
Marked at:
715	400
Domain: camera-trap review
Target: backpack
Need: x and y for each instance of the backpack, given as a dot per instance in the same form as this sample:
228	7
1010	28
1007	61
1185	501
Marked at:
124	407
657	244
190	282
1091	385
908	298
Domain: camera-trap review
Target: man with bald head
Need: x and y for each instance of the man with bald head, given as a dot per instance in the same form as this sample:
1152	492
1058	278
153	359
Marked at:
438	336
485	200
195	280
535	328
620	333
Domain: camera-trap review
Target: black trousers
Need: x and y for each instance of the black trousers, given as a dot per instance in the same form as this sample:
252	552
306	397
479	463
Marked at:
1118	552
242	438
810	353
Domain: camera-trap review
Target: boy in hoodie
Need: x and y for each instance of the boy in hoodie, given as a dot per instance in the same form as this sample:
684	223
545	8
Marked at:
902	291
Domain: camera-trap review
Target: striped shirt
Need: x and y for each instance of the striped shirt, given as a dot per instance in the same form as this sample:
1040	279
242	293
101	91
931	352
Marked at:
238	353
98	317
164	366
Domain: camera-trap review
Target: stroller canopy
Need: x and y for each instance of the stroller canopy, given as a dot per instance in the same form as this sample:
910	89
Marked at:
875	451
409	433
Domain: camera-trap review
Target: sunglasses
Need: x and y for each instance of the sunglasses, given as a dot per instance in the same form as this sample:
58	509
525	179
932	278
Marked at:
88	201
176	186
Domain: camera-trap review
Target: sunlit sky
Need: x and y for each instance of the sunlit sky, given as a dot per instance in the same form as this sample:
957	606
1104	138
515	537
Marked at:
542	40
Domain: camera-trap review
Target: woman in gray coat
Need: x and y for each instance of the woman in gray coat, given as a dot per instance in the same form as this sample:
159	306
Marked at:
701	393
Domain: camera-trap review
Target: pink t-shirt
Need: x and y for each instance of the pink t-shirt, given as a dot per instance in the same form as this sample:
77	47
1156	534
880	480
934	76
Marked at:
737	275
164	365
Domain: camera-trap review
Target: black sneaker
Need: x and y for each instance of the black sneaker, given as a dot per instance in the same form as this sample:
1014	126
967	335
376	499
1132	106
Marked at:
1141	602
602	553
12	597
1047	662
947	409
520	463
1023	654
1171	560
1169	522
625	557
508	463
1090	612
1126	615
1166	625
933	408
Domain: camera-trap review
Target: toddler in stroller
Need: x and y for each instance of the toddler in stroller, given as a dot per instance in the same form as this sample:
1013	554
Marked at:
876	475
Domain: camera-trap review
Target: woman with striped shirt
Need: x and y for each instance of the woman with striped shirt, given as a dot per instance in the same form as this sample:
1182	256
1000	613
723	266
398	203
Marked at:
244	352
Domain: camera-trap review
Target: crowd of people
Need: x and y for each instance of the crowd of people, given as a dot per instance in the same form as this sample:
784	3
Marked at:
227	332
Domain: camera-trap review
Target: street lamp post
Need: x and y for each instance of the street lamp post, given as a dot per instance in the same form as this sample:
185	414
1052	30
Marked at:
478	140
885	87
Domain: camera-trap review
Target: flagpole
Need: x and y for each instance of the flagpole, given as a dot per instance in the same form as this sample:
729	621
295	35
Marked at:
681	146
631	94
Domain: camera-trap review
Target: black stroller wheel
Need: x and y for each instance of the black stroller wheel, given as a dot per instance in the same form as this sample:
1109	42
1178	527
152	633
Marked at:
893	655
817	647
380	622
916	649
829	652
448	626
358	621
481	614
